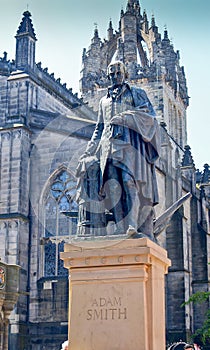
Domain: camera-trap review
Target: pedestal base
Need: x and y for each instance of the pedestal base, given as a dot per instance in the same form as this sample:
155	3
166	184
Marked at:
117	296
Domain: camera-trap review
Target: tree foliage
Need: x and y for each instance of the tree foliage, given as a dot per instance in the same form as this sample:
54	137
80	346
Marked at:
204	331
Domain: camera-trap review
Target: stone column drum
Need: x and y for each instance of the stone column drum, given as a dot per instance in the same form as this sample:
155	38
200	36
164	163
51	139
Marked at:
117	294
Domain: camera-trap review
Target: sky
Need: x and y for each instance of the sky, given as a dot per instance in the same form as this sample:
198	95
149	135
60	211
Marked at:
64	27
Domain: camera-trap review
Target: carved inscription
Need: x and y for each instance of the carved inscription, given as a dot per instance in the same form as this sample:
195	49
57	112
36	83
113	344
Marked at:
103	309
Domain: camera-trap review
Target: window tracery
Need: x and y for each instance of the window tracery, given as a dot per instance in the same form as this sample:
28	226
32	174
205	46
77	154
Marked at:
60	221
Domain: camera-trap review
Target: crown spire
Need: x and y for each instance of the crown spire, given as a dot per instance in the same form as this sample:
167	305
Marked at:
133	2
133	6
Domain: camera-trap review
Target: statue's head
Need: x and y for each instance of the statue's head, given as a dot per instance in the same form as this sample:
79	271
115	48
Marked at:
116	72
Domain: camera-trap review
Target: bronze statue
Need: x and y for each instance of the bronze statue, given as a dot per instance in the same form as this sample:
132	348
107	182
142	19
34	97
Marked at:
116	174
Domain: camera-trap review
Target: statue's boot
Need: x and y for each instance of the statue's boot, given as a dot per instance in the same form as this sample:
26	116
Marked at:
140	217
146	221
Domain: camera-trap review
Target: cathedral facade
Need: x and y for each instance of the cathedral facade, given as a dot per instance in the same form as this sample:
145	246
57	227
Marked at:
44	128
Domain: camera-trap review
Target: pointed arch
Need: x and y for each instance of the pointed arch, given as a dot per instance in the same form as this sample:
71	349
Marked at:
59	217
51	178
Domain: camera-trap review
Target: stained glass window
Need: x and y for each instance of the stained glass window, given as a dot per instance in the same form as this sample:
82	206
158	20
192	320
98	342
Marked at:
60	221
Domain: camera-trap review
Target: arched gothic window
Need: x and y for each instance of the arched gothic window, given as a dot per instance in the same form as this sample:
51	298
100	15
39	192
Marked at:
60	221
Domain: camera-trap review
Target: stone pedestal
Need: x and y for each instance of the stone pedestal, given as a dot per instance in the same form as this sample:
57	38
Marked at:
117	296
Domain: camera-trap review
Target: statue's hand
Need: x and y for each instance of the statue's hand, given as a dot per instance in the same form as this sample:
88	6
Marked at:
117	120
85	162
144	109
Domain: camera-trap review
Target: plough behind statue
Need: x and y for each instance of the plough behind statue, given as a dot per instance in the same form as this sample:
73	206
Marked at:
161	222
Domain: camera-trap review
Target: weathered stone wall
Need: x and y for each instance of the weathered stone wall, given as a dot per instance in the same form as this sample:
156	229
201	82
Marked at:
37	143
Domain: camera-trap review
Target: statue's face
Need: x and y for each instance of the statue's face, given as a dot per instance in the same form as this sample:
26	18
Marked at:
116	73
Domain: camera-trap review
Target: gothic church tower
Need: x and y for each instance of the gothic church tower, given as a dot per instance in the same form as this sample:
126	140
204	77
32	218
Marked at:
44	129
154	65
151	63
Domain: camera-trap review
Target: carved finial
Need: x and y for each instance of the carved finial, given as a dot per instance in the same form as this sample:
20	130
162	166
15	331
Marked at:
110	23
153	20
96	30
122	12
206	174
5	56
187	158
198	176
144	14
165	33
26	25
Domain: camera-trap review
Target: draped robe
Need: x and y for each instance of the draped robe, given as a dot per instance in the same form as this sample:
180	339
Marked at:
126	137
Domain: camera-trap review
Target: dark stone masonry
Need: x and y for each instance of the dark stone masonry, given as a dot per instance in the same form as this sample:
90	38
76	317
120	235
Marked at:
44	128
